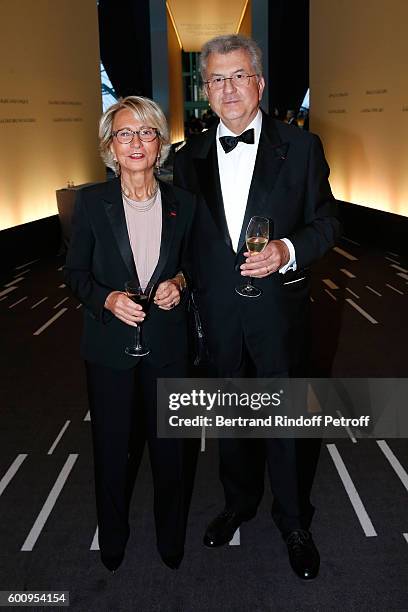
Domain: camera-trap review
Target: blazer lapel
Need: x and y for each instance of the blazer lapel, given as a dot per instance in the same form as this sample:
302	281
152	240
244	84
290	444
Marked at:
206	166
169	219
116	215
270	158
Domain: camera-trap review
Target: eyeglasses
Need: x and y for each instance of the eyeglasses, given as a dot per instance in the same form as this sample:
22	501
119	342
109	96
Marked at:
238	80
146	134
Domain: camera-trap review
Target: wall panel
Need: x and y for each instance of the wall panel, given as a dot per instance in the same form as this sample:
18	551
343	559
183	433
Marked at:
359	98
50	102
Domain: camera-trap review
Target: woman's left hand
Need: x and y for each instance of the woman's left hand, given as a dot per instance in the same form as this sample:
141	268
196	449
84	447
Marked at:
167	294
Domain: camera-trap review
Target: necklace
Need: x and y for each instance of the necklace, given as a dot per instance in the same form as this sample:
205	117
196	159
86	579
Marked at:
141	205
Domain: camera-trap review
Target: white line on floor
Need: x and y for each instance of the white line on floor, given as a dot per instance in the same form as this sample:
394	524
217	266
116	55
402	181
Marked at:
352	293
5	297
95	541
15	280
60	302
393	260
236	539
11	472
50	321
405	536
60	269
311	299
18	302
394	289
399	470
58	438
347	428
393	254
347	273
329	283
38	303
79	306
62	286
7	291
49	504
351	491
399	268
24	272
345	254
374	291
333	297
362	311
351	241
402	275
26	264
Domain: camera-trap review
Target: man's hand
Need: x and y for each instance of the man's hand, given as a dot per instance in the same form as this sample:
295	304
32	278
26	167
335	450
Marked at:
273	257
168	294
124	308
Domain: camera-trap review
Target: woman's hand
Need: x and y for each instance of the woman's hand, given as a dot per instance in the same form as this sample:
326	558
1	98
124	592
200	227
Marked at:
168	294
124	308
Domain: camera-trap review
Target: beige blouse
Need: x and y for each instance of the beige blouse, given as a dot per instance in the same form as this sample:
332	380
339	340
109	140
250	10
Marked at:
144	225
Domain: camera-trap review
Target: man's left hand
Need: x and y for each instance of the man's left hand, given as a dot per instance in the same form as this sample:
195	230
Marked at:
273	257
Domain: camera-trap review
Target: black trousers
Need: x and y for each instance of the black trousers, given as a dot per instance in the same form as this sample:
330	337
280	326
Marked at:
291	467
123	417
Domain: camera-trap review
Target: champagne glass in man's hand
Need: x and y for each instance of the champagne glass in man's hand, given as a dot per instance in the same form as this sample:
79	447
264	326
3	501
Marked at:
257	237
140	296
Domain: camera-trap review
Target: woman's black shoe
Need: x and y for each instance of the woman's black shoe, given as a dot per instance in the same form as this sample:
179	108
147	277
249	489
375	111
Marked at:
173	561
112	562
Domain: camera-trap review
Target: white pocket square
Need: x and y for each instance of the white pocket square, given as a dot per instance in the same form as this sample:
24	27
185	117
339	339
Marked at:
297	280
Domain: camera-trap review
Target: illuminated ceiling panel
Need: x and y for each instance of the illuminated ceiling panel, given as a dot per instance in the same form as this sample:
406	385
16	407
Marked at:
198	20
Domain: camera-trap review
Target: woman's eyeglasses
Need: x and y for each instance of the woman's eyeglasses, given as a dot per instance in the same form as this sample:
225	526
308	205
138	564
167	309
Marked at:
145	134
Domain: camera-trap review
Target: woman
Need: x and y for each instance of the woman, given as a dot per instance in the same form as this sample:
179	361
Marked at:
133	228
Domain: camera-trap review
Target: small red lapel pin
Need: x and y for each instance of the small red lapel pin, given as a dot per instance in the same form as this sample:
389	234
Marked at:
173	214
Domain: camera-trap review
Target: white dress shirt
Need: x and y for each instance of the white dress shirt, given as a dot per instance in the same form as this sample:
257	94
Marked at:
236	169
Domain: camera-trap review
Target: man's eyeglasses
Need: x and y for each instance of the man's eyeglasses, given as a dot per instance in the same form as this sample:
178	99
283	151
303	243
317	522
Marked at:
238	80
126	135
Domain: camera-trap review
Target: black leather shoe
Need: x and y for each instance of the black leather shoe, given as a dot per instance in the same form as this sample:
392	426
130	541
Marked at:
173	561
112	562
221	530
303	554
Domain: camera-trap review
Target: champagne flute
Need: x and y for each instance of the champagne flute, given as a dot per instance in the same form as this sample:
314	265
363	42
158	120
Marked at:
257	237
140	296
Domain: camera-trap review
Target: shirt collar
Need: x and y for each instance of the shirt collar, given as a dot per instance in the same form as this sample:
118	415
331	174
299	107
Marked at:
256	123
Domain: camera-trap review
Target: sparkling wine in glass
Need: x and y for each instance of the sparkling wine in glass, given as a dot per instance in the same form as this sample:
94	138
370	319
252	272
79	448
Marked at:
257	237
140	296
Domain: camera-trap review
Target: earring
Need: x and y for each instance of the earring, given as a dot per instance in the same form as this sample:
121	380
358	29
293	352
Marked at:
158	163
117	168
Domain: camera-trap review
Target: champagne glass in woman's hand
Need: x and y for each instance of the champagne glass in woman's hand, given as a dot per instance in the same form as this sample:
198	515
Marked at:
140	296
257	237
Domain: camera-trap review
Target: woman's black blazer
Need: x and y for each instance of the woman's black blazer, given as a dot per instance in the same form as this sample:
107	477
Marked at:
100	260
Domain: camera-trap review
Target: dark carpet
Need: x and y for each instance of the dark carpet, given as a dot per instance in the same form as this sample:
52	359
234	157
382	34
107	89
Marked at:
43	388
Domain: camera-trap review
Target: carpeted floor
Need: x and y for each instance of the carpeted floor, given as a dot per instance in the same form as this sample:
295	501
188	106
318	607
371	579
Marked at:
47	518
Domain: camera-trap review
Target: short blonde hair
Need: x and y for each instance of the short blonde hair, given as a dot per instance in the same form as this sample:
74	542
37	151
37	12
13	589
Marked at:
146	111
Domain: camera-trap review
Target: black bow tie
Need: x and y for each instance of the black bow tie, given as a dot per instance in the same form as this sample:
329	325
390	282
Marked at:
229	143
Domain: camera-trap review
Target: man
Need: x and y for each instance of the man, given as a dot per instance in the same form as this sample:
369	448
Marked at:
275	171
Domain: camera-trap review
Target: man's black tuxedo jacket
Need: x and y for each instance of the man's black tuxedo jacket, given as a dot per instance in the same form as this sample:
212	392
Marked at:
100	260
290	187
